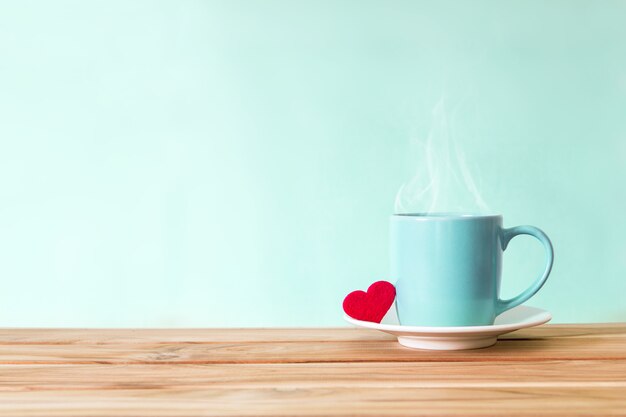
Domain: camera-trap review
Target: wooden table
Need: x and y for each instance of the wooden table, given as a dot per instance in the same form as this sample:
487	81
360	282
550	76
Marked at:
549	370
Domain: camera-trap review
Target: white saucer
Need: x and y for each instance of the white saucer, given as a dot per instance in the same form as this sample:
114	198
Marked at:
457	338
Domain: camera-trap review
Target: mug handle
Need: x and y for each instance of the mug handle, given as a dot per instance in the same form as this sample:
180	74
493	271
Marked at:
507	235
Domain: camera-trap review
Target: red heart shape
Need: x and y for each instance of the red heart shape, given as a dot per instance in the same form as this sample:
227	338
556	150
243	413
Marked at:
371	305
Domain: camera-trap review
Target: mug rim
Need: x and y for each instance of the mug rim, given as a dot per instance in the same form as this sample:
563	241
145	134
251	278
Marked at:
443	216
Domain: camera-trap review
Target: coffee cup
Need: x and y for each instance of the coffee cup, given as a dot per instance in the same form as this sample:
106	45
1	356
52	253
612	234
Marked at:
447	268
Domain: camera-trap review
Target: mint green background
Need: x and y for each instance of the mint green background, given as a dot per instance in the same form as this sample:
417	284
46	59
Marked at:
182	163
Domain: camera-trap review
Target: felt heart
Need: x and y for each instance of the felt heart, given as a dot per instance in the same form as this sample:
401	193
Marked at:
371	305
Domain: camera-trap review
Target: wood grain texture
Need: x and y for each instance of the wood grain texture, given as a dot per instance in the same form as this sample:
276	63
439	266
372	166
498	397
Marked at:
308	352
133	336
549	370
524	401
315	375
14	336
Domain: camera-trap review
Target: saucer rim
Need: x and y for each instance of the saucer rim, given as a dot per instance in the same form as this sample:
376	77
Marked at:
544	317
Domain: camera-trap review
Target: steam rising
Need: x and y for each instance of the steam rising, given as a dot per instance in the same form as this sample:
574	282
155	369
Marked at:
442	180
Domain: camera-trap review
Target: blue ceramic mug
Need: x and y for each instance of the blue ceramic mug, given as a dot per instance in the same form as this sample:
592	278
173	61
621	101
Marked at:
447	268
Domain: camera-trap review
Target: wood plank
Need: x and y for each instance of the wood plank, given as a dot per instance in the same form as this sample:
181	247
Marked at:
541	349
328	375
544	371
14	336
394	401
600	330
